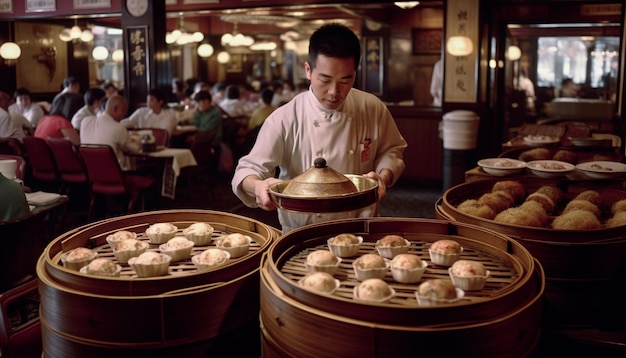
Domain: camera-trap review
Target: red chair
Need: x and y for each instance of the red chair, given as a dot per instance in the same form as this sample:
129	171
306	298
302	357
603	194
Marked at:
69	163
20	169
106	176
41	161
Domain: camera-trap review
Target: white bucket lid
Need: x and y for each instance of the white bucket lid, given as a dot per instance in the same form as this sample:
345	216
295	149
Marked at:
460	115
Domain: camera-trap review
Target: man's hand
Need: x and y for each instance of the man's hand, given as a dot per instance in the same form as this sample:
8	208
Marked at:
383	180
260	190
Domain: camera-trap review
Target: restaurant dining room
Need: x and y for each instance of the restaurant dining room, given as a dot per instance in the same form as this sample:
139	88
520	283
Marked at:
259	178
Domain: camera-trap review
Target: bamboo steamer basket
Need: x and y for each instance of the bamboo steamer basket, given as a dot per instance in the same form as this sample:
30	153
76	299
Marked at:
291	317
186	312
581	267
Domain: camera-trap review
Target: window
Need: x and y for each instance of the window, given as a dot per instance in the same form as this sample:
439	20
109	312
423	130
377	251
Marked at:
588	60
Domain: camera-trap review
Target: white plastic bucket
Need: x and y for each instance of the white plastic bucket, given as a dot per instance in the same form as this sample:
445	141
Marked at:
8	168
460	130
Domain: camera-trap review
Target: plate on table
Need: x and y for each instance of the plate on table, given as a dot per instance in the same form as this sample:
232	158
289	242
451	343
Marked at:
540	140
602	169
501	166
587	142
549	168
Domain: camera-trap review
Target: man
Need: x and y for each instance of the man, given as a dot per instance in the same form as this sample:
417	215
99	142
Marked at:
8	127
93	101
259	115
207	117
353	130
156	115
73	100
24	105
109	89
107	129
436	84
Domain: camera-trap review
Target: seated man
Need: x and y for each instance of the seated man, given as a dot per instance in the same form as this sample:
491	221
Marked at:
24	105
107	129
93	100
155	115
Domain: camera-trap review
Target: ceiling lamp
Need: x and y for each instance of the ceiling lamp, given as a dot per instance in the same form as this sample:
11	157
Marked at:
118	56
10	51
181	37
264	46
236	39
513	53
459	45
406	4
205	50
75	33
100	53
223	57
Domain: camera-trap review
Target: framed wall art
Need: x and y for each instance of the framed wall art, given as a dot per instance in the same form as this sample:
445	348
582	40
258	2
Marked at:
426	41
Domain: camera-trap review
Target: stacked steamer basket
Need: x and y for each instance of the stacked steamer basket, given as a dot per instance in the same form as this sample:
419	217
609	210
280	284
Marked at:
183	313
584	268
501	319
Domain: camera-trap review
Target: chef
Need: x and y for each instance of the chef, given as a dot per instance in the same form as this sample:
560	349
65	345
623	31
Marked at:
353	130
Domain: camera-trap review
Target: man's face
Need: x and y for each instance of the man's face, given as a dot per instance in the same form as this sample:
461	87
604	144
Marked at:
204	105
120	111
154	104
331	79
23	101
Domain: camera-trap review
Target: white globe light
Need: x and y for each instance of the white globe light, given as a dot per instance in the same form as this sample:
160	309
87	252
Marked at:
86	36
198	36
514	53
118	55
169	38
205	50
100	53
65	35
10	51
226	39
75	32
459	45
223	57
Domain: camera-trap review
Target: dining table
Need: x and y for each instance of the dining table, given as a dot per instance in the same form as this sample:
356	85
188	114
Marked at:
169	161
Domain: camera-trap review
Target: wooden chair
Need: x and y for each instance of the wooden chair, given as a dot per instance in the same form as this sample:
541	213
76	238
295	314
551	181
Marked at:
43	168
107	179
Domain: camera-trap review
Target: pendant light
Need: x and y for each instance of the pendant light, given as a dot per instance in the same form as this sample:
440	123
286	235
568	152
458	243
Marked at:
10	51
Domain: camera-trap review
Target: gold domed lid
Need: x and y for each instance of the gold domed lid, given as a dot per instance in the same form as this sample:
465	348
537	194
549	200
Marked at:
320	180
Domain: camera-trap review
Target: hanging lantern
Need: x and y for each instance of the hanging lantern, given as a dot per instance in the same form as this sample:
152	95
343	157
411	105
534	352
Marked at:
459	45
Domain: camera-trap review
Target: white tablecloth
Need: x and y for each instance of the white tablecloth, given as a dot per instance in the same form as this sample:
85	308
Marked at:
175	160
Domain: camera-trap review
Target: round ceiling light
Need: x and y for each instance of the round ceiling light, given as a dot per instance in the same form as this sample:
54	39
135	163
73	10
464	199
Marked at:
100	53
223	57
205	50
10	51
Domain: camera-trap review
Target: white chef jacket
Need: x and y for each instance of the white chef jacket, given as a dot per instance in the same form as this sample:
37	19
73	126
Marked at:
359	137
145	118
